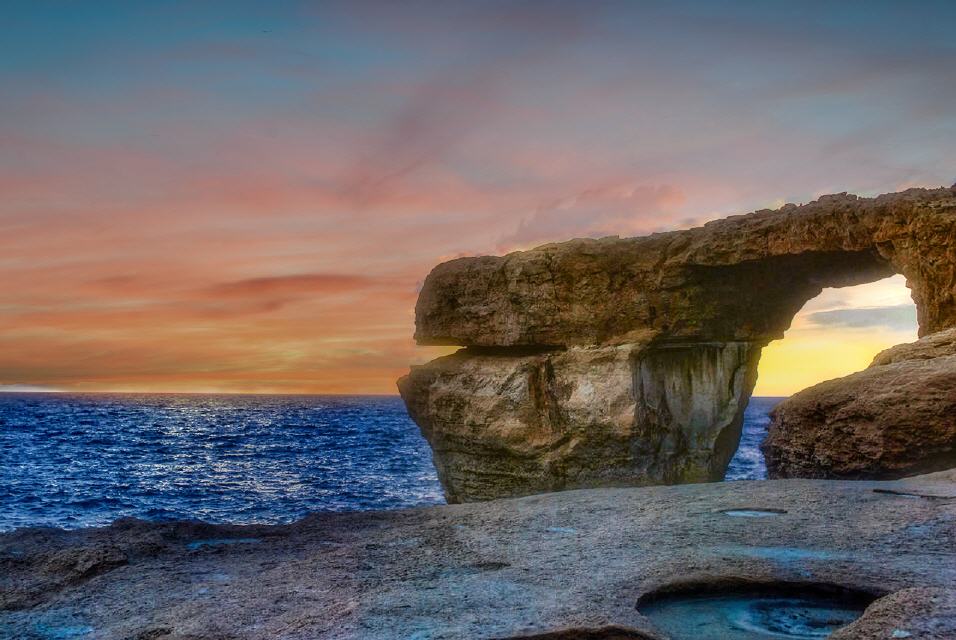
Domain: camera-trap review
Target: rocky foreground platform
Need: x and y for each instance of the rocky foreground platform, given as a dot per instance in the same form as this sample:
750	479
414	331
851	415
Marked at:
563	565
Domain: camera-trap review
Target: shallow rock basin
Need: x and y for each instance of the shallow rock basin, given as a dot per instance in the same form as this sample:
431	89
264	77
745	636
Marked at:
752	513
53	624
750	616
219	542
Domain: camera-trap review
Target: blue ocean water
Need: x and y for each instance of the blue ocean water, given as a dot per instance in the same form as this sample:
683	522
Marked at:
748	462
87	459
77	460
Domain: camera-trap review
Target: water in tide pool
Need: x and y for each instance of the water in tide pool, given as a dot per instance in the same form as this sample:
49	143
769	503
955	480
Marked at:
752	617
84	460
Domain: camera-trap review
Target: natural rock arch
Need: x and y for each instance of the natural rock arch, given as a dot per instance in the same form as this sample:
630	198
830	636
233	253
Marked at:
630	361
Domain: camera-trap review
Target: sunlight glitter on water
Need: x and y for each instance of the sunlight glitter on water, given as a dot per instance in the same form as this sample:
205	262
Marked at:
77	460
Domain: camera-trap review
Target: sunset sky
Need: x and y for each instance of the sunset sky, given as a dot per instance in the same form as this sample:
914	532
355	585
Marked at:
246	196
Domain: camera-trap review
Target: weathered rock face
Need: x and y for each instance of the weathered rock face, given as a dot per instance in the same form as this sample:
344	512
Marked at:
585	417
629	361
935	345
741	278
925	613
893	419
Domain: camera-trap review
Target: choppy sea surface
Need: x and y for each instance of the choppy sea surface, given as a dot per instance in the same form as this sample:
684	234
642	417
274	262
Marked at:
748	462
78	460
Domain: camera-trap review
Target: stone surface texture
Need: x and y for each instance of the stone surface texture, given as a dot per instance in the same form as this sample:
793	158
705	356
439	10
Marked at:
551	565
740	278
893	419
504	425
916	613
629	361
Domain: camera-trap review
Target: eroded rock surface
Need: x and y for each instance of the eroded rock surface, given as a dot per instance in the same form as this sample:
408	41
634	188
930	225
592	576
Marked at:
629	361
548	565
504	425
917	614
740	278
895	418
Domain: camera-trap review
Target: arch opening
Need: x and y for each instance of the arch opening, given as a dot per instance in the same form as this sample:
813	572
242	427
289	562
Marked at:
834	334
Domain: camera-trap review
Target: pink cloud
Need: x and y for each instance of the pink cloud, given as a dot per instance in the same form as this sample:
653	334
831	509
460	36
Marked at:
621	209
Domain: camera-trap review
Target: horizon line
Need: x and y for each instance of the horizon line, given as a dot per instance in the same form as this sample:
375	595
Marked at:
226	393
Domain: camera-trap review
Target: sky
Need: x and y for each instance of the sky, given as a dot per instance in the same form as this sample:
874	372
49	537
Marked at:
246	196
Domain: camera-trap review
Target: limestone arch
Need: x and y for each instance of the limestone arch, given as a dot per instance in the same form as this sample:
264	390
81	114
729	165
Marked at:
630	361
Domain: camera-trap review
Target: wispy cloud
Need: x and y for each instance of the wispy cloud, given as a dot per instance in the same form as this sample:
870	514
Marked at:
26	388
297	284
464	95
895	318
615	209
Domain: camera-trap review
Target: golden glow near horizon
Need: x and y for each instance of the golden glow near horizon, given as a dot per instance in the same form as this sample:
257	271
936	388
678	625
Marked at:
836	334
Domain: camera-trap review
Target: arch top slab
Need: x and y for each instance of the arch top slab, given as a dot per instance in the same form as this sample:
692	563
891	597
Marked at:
739	278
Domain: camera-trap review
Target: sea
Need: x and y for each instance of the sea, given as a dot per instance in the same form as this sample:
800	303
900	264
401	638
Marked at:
81	460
